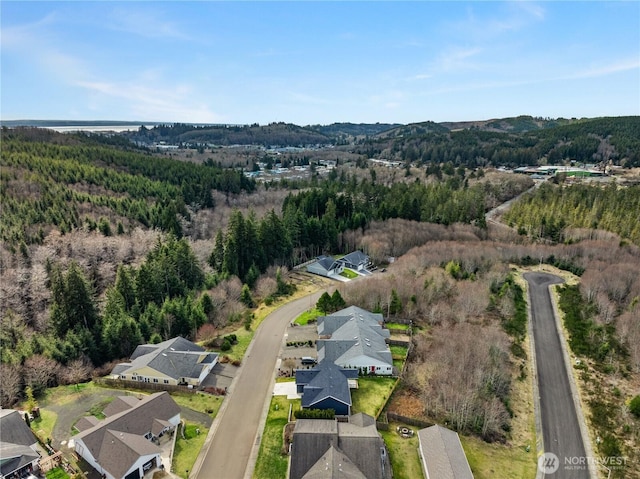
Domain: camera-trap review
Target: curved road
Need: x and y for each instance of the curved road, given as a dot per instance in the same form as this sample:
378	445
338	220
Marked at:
560	426
227	450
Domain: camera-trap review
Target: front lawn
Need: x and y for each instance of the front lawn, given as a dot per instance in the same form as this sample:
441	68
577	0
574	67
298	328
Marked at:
201	402
499	461
271	463
371	395
347	273
307	316
186	451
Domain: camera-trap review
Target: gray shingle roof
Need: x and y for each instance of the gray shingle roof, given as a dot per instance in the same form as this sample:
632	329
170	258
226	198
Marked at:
132	423
16	439
354	339
176	358
86	422
324	381
119	404
14	430
362	445
356	257
442	454
334	464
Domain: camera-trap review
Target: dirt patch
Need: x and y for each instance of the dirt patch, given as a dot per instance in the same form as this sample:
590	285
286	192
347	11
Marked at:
407	404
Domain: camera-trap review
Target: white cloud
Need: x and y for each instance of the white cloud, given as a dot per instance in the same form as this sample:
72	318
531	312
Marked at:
145	23
154	103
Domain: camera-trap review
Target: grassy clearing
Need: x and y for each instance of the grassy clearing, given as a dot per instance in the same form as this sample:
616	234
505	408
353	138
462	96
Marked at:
498	461
403	453
187	449
371	395
271	463
62	395
200	402
307	316
347	273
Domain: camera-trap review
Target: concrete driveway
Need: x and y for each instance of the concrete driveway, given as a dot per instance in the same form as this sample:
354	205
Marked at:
560	427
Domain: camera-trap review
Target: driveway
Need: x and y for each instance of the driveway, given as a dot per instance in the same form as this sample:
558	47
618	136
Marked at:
560	426
227	452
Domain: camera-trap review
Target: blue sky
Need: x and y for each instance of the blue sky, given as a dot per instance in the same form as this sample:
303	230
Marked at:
318	62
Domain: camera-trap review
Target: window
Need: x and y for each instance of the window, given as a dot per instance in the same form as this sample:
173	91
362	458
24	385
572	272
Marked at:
166	381
155	380
123	376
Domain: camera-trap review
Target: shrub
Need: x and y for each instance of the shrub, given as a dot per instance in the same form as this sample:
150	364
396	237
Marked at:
634	406
315	414
226	345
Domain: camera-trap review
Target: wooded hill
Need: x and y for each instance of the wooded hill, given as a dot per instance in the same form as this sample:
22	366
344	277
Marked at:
274	134
599	140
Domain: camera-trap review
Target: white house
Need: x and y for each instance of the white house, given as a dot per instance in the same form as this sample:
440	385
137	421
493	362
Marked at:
355	338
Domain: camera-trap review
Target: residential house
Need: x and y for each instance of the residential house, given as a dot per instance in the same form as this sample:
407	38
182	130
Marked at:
326	266
176	361
326	386
125	445
442	455
357	261
326	448
355	338
18	445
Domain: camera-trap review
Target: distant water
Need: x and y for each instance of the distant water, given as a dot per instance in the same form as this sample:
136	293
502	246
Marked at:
92	128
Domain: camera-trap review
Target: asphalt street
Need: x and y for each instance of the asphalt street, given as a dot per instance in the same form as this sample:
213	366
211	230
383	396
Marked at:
561	430
227	452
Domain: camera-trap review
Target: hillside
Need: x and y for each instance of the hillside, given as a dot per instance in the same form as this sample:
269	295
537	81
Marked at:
274	134
612	140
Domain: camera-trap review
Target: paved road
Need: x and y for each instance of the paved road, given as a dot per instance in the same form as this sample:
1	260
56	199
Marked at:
561	430
226	453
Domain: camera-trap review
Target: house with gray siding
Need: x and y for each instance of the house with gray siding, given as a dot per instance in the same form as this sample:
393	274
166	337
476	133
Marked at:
355	338
326	266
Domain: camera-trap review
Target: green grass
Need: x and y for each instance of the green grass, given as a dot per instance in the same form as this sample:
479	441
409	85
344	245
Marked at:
62	395
57	473
347	273
187	450
271	464
499	461
371	394
43	426
205	403
307	316
399	352
403	453
404	327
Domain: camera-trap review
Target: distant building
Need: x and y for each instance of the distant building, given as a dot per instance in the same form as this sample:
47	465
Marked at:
125	444
442	454
173	362
355	338
326	448
356	260
326	266
18	446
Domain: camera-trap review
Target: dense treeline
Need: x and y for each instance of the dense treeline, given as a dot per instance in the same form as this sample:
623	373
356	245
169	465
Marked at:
153	302
549	210
590	141
46	184
313	220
